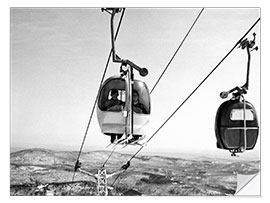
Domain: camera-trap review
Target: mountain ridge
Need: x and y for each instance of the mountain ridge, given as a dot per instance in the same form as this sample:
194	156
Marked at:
148	175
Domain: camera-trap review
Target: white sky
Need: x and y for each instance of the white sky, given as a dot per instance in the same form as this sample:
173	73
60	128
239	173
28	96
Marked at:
58	57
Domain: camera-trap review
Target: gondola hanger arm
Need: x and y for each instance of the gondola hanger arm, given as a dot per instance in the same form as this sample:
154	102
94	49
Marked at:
115	58
249	45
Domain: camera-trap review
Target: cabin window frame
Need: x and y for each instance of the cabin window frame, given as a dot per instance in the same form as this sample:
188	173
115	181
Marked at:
238	115
139	86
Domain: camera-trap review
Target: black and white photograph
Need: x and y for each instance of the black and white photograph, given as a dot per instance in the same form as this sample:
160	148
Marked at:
135	101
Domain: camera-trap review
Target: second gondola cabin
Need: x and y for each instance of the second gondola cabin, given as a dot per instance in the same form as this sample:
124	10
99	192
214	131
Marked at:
113	107
233	122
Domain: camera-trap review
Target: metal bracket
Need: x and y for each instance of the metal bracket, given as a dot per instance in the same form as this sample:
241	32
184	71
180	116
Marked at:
236	92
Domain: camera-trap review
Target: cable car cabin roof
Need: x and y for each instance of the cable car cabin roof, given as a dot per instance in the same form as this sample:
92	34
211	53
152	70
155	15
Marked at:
119	83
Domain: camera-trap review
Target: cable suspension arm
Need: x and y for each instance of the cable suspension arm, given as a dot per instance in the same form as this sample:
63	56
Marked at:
177	50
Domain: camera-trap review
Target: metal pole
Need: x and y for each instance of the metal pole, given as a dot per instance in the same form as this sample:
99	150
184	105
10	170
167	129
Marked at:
245	126
131	100
248	67
115	58
112	33
130	78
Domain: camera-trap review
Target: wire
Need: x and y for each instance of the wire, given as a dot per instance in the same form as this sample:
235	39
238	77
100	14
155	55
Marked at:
109	157
177	50
116	179
103	76
192	93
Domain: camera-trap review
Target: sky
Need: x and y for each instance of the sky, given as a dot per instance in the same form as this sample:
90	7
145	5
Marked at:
58	57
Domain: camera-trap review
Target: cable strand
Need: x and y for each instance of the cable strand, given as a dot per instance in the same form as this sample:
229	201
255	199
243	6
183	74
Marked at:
109	157
176	51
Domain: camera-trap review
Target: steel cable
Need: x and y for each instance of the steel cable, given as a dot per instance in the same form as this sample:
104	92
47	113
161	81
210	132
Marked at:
176	51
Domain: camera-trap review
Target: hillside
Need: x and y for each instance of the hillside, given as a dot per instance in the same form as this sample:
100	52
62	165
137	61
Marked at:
47	172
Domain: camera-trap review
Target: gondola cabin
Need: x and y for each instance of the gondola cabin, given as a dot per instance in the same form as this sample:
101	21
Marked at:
236	125
113	107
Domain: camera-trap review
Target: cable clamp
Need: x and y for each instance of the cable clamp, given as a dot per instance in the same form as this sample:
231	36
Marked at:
77	165
125	166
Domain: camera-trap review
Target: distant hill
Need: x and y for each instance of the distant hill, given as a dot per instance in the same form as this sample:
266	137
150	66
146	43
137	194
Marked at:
48	172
